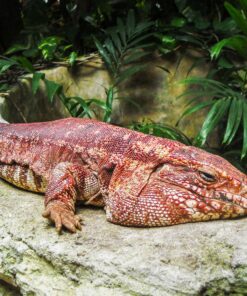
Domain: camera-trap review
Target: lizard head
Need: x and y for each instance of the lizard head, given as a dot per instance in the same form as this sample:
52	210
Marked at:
183	184
193	185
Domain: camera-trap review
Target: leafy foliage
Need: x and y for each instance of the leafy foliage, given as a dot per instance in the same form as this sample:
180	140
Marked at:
225	104
160	130
225	87
197	24
122	49
237	42
124	46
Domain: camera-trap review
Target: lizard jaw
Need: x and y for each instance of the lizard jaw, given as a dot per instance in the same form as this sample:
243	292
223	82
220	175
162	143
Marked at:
237	199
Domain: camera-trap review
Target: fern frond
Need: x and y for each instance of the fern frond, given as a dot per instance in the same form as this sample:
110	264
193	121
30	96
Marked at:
124	45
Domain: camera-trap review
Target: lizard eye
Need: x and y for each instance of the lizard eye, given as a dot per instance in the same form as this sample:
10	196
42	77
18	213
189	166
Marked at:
207	177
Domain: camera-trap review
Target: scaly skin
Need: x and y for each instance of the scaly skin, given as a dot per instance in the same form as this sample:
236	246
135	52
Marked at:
141	180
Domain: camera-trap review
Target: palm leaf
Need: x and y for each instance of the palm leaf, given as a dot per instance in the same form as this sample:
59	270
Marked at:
130	23
52	89
237	16
128	73
134	56
161	130
196	108
214	116
121	30
116	40
238	43
37	76
123	45
5	64
234	119
104	55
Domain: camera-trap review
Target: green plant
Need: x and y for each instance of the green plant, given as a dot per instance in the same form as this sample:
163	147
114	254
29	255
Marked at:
121	51
160	130
225	104
237	42
225	88
49	47
196	24
124	46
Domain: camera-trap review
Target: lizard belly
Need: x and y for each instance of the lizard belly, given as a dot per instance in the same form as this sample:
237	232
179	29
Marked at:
23	177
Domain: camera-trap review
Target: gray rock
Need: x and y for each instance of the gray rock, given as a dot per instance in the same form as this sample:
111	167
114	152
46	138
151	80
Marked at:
207	258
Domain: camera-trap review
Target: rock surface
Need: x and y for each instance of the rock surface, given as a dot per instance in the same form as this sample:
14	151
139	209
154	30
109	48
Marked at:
207	258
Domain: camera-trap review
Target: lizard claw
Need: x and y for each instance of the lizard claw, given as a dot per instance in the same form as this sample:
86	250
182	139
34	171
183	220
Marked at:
61	216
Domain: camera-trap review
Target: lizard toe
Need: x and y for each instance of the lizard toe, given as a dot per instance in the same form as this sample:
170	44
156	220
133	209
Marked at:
62	217
46	213
70	225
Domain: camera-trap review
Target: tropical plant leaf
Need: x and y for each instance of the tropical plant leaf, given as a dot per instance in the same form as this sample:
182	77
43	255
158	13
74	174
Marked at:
72	58
238	43
226	101
237	16
116	40
142	46
121	29
25	63
225	27
52	89
209	85
5	64
109	101
134	56
104	55
136	41
113	54
187	38
214	116
48	46
142	27
123	43
16	47
80	107
110	95
130	23
97	102
233	121
196	108
36	80
160	130
122	47
128	73
224	63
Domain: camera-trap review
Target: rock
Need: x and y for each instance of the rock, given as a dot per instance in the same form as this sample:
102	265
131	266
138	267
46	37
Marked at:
208	258
154	90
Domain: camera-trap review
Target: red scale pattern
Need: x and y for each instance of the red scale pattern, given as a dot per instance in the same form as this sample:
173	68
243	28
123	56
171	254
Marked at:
142	180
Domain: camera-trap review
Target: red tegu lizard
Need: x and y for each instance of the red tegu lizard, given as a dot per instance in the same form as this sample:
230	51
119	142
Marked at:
141	180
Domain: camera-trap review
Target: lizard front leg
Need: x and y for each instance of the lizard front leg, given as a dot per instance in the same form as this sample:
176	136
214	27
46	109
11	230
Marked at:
67	183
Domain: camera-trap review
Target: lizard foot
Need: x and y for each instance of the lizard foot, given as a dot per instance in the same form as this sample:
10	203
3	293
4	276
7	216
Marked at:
62	216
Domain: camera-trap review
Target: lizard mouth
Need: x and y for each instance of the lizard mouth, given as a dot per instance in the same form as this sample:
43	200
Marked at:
239	200
234	199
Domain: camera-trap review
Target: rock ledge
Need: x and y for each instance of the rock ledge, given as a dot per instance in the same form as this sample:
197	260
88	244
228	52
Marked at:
105	259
